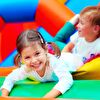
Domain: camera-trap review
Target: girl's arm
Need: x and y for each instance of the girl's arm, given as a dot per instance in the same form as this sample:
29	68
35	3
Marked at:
64	77
68	47
52	94
16	75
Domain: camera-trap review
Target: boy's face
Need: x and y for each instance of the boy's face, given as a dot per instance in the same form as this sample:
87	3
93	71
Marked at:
34	57
85	28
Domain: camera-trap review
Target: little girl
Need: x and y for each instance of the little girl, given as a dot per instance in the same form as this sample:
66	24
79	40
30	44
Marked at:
34	61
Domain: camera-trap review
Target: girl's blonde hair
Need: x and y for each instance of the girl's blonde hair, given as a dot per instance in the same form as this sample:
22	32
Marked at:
27	38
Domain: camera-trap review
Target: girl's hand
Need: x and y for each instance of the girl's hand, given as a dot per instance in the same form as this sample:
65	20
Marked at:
52	94
5	92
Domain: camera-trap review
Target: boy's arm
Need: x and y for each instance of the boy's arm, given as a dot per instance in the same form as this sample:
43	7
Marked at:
68	47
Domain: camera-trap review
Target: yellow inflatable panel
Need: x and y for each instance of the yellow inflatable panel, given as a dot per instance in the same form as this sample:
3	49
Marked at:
90	70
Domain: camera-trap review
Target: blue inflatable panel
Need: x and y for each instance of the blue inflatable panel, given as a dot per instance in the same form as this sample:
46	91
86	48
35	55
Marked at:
45	34
9	61
18	10
77	5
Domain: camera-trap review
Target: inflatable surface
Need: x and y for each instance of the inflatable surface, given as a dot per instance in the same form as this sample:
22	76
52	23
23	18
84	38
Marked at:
82	89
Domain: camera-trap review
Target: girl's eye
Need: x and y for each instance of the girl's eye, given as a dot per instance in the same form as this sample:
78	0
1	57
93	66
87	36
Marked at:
37	53
27	57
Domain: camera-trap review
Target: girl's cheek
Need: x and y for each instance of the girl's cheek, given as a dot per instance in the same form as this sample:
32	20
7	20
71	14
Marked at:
27	62
23	62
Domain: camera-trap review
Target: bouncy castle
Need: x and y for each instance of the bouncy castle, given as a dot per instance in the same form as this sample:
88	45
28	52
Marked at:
48	17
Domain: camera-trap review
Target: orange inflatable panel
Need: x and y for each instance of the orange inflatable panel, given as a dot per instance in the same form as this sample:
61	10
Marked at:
4	71
22	98
52	15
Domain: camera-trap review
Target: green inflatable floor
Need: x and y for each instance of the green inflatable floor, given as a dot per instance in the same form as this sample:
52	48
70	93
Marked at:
81	89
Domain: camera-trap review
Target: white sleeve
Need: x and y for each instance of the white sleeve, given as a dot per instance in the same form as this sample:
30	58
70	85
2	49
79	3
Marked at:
74	38
16	75
65	78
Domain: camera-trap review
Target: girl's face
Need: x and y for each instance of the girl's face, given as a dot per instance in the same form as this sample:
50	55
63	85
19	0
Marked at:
34	57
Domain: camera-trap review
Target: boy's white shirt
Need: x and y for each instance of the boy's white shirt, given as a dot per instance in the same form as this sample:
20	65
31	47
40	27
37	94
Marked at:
83	48
57	69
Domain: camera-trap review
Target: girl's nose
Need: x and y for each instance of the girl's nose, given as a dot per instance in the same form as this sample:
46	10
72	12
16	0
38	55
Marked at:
33	60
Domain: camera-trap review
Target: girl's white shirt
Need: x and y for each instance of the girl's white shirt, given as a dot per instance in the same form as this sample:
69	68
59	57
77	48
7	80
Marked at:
56	71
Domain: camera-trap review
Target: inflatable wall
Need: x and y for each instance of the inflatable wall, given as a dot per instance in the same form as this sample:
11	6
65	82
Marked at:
18	15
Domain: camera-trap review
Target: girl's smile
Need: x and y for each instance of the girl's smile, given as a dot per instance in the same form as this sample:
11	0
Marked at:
34	57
